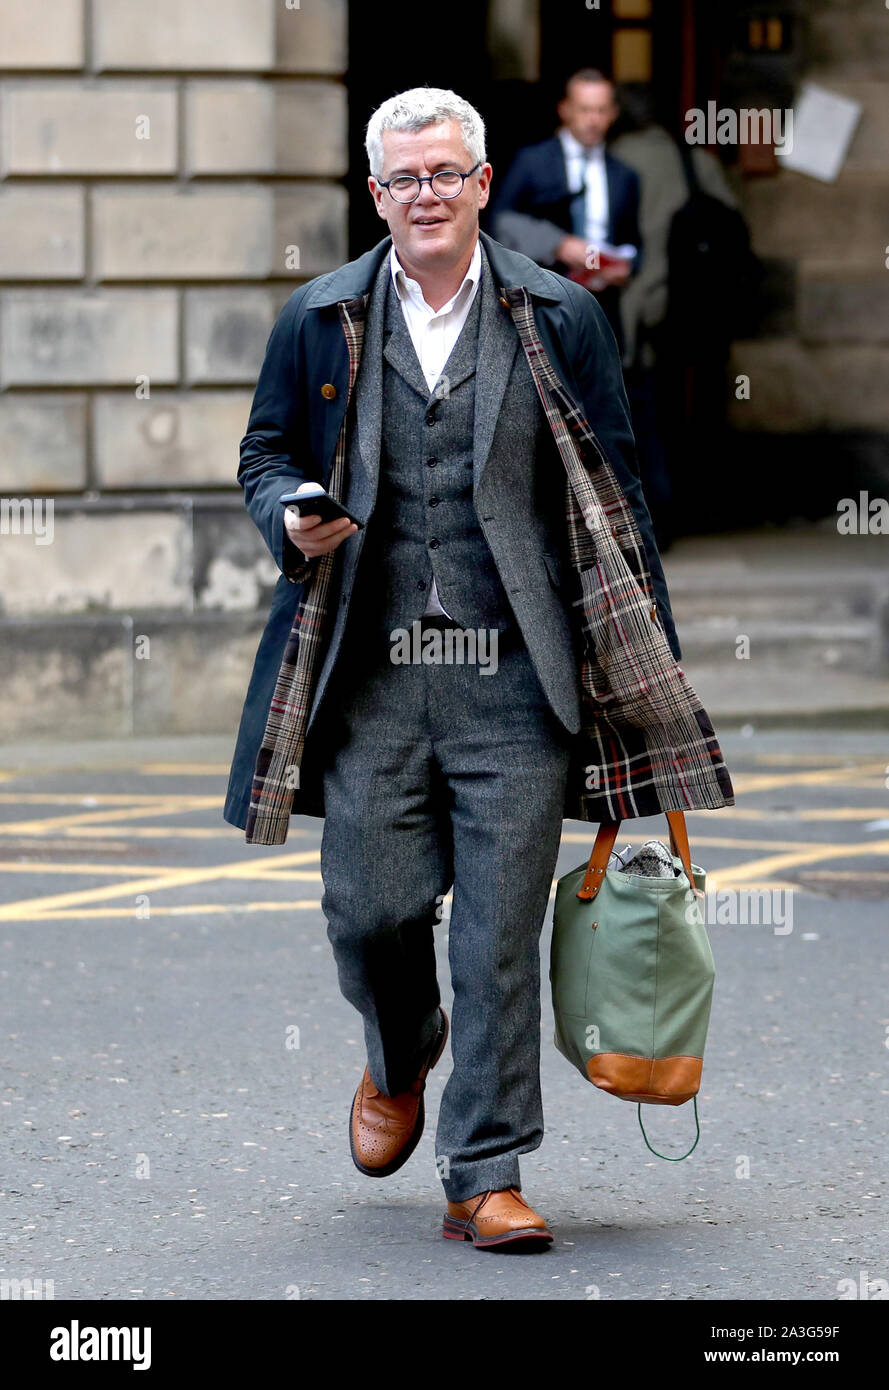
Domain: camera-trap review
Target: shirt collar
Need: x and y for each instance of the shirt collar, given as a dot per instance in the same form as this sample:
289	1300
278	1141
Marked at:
572	146
405	286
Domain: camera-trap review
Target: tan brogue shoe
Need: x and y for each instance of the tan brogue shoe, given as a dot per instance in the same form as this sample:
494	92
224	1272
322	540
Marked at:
496	1219
385	1130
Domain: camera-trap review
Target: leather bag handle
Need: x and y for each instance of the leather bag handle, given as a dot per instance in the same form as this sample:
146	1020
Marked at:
605	838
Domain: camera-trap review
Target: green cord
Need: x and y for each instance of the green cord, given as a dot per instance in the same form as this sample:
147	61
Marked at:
667	1156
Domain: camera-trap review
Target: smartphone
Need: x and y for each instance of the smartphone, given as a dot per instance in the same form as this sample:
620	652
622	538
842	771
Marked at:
318	503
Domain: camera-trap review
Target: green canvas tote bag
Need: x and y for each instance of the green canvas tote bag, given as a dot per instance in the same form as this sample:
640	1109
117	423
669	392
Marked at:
632	975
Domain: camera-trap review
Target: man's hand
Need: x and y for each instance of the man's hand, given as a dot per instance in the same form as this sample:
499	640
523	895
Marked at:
314	537
573	251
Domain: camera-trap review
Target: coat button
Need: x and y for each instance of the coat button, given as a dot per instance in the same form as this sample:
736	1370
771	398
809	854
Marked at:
504	302
328	390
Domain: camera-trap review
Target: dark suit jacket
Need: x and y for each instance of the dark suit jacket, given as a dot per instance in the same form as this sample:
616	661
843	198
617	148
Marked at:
532	211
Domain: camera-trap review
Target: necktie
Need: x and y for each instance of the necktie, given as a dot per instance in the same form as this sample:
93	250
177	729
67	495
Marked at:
578	200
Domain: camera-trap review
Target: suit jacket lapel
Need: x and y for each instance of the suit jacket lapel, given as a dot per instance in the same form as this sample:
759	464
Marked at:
369	382
498	343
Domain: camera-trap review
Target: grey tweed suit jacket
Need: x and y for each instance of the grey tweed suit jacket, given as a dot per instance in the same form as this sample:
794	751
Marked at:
519	487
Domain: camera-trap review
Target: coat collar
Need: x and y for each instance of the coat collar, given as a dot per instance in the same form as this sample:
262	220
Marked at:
511	270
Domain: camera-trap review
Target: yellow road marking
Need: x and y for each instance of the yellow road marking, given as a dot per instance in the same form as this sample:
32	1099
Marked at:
110	813
766	866
100	799
257	871
807	759
109	914
184	769
848	873
153	883
832	813
108	818
160	832
827	849
747	782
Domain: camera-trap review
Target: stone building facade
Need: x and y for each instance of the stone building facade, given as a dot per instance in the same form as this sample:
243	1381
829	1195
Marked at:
820	363
169	172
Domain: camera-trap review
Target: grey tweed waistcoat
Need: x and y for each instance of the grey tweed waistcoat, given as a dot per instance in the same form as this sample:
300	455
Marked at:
424	522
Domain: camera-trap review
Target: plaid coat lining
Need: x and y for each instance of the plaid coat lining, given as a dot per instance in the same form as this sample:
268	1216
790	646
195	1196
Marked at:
646	744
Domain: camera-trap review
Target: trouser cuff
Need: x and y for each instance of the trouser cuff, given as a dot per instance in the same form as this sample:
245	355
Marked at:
465	1180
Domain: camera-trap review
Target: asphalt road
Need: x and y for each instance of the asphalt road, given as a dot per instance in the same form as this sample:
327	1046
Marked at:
164	1137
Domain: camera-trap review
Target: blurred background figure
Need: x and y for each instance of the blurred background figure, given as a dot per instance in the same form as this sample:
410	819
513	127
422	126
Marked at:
679	313
571	206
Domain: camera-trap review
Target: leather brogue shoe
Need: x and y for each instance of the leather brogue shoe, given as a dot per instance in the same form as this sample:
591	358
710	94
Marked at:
385	1130
496	1219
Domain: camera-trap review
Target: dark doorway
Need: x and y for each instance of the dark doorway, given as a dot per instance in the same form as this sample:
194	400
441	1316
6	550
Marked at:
389	51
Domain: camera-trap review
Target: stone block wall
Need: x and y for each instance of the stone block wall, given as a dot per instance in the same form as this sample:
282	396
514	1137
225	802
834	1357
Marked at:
822	363
168	173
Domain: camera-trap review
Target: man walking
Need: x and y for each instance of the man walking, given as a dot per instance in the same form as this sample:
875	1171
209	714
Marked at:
433	386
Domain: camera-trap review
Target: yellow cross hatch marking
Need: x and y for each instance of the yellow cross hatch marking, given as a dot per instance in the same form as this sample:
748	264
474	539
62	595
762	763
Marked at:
153	883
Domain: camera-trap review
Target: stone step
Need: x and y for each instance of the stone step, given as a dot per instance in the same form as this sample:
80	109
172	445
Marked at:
98	676
812	598
809	601
856	643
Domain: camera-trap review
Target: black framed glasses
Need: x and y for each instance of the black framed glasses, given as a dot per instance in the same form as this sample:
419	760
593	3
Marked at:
447	183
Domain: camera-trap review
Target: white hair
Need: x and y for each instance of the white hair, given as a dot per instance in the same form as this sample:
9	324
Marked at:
418	108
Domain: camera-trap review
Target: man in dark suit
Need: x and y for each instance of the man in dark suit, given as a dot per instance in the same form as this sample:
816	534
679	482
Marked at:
568	204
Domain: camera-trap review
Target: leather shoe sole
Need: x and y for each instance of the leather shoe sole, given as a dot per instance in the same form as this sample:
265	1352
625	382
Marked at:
529	1238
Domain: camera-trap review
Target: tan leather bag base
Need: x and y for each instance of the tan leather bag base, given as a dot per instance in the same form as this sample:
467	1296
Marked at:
655	1080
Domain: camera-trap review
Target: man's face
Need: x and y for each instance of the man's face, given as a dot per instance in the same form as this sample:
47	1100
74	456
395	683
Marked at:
589	110
432	232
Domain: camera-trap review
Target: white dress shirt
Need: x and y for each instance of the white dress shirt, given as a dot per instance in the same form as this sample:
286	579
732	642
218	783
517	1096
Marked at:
433	334
586	163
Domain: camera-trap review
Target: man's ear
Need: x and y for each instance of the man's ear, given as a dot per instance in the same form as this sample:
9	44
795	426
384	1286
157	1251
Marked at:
378	202
485	194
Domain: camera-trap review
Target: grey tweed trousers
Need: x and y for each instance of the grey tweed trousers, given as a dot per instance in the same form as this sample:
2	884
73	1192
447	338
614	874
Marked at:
439	776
